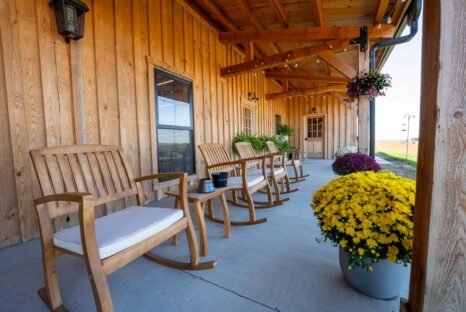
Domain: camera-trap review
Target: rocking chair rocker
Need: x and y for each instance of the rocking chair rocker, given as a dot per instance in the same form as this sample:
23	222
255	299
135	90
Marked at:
294	162
76	179
217	159
276	170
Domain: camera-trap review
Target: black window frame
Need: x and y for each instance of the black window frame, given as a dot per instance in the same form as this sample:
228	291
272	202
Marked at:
159	126
278	117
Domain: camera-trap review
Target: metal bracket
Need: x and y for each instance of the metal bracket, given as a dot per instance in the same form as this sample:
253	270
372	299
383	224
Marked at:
361	40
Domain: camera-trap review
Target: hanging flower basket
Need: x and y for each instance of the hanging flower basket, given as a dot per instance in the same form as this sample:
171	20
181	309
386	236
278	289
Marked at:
372	83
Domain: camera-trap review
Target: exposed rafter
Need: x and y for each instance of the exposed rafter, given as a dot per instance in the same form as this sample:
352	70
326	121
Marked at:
379	16
285	57
318	12
301	77
304	92
281	13
398	10
218	14
305	34
340	65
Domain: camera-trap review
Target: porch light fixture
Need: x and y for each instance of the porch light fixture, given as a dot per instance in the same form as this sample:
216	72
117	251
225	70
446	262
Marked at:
252	96
69	15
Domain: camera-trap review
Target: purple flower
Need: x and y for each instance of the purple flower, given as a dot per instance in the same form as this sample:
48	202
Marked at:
354	162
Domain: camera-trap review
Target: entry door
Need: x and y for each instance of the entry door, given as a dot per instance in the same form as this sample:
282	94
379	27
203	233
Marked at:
314	137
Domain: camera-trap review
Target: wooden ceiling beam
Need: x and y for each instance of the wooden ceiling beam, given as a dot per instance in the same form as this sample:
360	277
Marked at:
281	13
247	11
305	92
285	57
340	65
318	12
305	34
399	11
218	13
379	16
301	77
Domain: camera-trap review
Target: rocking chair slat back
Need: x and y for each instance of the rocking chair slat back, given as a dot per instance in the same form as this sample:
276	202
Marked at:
102	171
215	154
272	147
245	150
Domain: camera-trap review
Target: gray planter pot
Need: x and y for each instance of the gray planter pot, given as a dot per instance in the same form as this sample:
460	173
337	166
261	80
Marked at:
386	281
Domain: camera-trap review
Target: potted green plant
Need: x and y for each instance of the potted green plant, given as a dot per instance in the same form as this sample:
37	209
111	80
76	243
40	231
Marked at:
284	132
369	215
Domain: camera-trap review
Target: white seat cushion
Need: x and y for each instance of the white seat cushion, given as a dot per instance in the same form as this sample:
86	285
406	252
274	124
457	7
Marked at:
297	162
253	179
120	230
276	171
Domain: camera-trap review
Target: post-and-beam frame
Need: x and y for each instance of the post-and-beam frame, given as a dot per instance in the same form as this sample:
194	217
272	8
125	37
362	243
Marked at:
305	92
438	274
299	34
305	77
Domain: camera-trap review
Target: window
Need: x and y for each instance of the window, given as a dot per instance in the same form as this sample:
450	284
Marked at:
278	122
247	118
315	127
175	130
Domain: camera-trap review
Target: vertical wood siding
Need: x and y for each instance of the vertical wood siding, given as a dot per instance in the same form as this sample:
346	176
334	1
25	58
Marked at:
123	40
339	120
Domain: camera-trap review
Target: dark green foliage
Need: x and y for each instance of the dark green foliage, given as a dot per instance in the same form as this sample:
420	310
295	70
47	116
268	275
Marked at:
285	130
259	142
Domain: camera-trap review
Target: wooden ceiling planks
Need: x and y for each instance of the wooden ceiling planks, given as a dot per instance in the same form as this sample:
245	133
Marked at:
304	29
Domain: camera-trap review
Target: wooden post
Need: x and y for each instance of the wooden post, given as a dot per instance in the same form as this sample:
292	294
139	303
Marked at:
363	108
77	90
438	272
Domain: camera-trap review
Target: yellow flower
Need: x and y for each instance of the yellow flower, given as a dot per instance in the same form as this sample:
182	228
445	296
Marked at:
370	268
343	243
360	251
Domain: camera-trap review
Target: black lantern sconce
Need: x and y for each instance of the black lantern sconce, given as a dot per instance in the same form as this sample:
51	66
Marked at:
70	17
252	96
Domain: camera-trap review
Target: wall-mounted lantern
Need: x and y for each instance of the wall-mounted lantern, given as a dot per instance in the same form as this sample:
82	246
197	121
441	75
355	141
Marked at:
70	17
252	96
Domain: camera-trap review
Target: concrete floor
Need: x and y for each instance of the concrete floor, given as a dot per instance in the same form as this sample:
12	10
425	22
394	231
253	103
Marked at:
276	266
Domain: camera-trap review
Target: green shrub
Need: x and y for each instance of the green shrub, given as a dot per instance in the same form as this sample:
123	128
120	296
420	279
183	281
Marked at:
285	130
259	142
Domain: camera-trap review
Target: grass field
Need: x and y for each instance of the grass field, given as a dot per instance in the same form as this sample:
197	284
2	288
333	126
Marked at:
395	150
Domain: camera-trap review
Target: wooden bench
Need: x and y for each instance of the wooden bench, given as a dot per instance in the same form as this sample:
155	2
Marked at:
76	179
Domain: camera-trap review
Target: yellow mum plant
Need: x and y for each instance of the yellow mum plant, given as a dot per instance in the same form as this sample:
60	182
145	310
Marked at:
369	215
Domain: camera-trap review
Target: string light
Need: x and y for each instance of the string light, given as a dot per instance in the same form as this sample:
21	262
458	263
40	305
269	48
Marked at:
317	60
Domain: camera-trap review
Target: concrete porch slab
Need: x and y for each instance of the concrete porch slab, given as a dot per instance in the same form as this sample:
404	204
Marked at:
276	266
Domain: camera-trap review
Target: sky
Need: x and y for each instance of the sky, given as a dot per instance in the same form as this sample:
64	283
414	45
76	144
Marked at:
404	66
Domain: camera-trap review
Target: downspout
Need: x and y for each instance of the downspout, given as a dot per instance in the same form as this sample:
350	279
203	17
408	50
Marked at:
413	16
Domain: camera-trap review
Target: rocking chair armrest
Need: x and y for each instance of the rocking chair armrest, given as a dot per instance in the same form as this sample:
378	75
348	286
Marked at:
224	164
167	175
68	197
272	158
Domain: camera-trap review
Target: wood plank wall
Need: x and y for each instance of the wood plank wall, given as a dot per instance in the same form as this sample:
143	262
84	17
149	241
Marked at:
123	40
339	121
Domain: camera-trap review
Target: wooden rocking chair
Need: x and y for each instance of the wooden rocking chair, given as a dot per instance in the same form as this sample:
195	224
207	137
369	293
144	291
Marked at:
218	160
77	179
294	162
276	171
